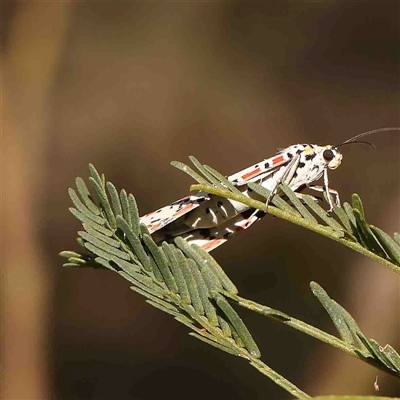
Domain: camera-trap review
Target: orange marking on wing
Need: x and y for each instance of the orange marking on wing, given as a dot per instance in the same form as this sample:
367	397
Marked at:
251	174
185	209
154	227
278	160
212	244
244	224
239	226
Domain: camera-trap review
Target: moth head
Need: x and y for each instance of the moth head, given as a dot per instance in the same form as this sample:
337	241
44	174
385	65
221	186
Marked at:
331	156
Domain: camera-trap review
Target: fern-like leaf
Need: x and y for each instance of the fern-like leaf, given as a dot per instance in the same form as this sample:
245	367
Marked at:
177	278
345	225
368	349
186	282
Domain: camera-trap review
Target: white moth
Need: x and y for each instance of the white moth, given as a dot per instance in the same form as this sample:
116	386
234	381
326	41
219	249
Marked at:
209	220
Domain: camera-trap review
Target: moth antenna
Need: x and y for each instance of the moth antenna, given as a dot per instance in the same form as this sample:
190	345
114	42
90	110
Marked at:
355	142
353	139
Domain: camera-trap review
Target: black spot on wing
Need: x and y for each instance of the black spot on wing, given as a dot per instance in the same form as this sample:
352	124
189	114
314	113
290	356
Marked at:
260	214
310	156
204	233
301	164
266	165
248	213
290	155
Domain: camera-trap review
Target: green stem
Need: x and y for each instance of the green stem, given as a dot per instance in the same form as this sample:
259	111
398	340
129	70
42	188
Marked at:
307	329
254	362
279	379
322	230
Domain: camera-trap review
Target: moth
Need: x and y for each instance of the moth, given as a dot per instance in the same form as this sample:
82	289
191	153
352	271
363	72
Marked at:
209	220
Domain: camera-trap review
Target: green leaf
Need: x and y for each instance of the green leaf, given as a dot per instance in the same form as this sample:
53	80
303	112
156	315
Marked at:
349	212
358	205
332	223
369	239
162	263
393	356
95	237
106	251
160	306
226	283
135	223
390	246
239	326
126	266
177	272
190	283
68	254
229	350
95	176
204	294
115	200
381	355
210	178
297	203
342	320
222	179
135	243
86	196
104	202
126	212
105	263
209	276
183	167
276	200
344	219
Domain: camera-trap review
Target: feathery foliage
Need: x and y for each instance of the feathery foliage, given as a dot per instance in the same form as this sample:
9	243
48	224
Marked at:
346	225
185	281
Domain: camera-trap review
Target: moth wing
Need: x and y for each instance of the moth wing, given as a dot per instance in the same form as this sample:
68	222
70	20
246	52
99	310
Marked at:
261	170
165	215
209	244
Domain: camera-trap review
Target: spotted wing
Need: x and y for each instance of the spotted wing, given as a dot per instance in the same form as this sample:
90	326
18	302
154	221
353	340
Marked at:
210	239
263	169
165	215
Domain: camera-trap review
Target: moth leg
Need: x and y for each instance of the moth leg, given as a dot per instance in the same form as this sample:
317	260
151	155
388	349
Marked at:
317	199
211	238
328	191
286	177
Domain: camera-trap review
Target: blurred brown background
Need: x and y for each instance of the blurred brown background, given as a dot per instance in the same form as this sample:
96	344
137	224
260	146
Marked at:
132	86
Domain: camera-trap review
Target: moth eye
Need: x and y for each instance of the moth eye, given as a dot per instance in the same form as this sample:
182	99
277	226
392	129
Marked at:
328	155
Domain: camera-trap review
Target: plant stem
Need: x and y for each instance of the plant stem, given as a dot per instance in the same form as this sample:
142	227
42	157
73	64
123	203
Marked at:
323	230
279	379
307	329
